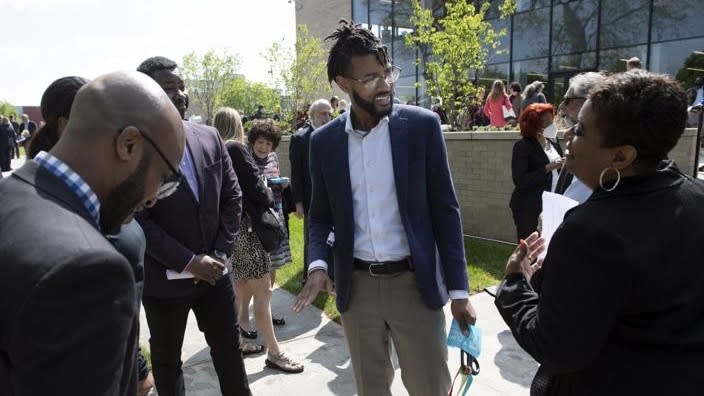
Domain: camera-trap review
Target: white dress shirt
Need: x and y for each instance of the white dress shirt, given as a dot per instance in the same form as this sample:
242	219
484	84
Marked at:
379	234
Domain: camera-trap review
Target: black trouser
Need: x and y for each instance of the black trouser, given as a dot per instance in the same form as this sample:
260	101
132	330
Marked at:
214	307
5	158
526	220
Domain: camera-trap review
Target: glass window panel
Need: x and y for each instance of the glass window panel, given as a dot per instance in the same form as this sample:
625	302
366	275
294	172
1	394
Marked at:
677	19
615	60
624	23
493	72
500	53
380	19
360	11
574	62
527	5
574	27
405	89
525	72
531	32
669	57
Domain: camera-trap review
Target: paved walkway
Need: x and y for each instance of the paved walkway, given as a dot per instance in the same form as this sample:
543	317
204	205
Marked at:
505	369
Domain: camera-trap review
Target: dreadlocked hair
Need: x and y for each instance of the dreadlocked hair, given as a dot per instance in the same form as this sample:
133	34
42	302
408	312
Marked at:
351	39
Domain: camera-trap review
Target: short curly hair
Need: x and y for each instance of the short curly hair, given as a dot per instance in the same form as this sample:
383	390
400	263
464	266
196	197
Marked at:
155	64
530	119
264	128
642	109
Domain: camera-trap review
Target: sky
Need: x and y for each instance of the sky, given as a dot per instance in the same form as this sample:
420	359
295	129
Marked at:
42	40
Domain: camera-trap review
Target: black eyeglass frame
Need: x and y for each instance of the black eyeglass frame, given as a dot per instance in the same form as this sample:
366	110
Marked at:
172	182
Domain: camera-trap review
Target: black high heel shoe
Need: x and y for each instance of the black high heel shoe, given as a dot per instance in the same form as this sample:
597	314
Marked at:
252	334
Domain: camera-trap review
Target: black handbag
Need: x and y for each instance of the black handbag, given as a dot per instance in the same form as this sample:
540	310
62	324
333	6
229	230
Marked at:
269	229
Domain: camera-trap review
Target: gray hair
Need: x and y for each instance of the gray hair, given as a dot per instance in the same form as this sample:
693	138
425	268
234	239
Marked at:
317	105
532	88
582	83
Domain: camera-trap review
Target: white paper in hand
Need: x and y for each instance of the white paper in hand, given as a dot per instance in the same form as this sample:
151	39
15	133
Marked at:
173	275
554	208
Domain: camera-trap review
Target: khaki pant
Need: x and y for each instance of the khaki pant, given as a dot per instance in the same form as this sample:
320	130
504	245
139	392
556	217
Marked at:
392	308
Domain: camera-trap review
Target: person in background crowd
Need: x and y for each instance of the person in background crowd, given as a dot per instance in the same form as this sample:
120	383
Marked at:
17	129
343	106
73	320
335	103
535	162
320	113
56	109
514	92
572	102
496	100
392	223
695	97
252	262
27	129
622	288
437	109
533	93
259	114
194	245
7	139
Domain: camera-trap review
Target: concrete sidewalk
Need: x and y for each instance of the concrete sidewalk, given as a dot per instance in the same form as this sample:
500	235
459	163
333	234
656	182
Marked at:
505	369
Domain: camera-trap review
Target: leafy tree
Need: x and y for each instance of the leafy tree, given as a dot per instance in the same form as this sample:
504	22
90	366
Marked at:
686	76
452	45
8	109
205	76
299	71
244	96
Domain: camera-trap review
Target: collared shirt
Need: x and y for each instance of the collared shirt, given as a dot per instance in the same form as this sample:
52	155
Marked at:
379	234
74	181
188	170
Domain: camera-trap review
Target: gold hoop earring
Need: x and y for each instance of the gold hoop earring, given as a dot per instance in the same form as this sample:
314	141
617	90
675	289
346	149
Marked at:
601	179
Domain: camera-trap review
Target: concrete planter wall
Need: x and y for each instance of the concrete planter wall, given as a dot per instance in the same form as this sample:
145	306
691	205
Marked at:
481	170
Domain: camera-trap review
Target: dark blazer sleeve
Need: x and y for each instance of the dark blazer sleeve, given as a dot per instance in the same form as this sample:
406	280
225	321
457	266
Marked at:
565	327
164	248
523	160
296	154
320	216
79	316
230	203
445	210
248	176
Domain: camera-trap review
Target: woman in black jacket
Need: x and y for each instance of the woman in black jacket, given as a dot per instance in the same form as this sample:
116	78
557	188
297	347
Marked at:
251	265
534	166
621	305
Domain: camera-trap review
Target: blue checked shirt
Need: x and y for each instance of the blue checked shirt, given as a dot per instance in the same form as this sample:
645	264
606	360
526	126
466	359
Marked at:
74	181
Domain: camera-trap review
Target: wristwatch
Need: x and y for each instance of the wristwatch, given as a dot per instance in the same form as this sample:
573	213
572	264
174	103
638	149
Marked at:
220	254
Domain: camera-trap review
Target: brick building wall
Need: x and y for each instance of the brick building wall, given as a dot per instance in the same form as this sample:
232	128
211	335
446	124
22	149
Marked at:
481	171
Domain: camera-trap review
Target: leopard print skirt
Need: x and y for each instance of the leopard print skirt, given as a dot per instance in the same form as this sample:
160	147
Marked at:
249	259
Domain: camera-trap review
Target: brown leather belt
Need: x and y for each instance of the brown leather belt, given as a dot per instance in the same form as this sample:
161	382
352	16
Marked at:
384	268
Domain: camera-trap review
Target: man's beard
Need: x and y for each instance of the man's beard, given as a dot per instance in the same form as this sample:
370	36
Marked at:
369	106
122	200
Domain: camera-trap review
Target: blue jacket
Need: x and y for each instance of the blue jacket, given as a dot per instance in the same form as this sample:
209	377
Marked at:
426	200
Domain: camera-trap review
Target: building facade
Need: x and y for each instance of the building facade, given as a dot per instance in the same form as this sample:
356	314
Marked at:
547	40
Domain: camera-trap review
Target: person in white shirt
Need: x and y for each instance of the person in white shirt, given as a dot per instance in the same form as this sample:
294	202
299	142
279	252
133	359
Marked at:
384	202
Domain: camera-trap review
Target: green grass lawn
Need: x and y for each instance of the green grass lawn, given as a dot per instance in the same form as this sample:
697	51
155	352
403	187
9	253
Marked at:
486	263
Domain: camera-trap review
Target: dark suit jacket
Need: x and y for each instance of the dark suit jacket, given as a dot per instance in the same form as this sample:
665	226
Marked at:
67	297
426	199
528	171
179	227
300	173
31	127
621	293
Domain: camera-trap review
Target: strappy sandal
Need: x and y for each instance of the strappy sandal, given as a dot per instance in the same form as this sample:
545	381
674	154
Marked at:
278	321
283	363
248	348
252	334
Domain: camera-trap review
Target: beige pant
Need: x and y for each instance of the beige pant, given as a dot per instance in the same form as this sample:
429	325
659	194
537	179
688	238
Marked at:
393	307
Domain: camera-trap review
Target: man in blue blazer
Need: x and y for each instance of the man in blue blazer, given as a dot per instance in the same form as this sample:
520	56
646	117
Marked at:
383	199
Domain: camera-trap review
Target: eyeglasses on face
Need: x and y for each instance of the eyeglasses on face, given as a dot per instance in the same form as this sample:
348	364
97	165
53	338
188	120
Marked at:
567	99
390	76
171	183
